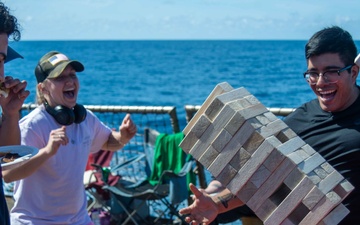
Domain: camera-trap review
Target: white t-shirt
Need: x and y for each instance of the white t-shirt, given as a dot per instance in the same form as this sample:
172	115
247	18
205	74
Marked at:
55	193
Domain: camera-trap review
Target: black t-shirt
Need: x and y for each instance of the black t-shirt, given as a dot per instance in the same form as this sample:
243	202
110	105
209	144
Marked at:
336	136
4	213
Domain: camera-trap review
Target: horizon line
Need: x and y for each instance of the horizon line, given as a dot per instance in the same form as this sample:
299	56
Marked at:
160	40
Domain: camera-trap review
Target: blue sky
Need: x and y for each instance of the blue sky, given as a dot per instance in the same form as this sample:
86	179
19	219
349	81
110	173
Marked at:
182	19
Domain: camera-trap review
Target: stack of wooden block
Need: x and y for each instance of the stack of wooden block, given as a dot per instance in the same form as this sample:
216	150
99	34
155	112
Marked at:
263	162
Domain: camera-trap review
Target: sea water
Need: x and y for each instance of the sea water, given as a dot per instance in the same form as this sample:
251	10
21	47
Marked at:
174	73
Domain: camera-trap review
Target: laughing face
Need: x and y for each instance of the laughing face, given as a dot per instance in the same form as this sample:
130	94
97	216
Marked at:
62	90
333	96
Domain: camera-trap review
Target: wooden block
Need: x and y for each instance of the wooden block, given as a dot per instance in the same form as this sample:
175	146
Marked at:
195	133
252	99
344	189
234	123
311	163
201	125
313	197
206	158
239	159
330	182
296	156
221	100
273	160
246	192
298	214
240	104
260	176
272	128
253	142
291	145
314	177
270	116
251	166
303	154
335	216
290	202
272	183
266	209
321	172
255	123
308	149
286	134
253	111
219	89
263	120
321	209
227	174
244	133
327	167
294	178
274	141
187	144
221	140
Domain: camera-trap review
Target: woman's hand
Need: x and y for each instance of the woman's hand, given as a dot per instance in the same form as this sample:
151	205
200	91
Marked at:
56	138
127	129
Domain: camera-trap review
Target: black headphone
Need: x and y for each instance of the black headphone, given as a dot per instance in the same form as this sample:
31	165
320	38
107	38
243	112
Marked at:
66	116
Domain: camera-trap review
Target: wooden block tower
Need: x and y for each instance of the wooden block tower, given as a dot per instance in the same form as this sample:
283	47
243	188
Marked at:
263	162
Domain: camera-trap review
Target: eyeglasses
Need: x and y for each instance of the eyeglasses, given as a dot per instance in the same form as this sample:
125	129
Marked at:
330	76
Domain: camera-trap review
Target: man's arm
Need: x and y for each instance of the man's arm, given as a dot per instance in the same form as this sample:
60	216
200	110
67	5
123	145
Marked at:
226	201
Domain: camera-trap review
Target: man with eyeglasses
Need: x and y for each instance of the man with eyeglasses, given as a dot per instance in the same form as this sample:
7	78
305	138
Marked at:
330	123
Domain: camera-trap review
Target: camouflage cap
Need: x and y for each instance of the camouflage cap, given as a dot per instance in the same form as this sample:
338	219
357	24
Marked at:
12	54
52	64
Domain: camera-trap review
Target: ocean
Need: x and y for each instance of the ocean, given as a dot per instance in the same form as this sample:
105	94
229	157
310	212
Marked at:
174	73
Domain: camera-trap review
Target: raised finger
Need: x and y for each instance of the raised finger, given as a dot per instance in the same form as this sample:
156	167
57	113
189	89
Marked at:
195	191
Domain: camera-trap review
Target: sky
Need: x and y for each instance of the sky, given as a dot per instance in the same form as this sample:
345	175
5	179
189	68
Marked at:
182	19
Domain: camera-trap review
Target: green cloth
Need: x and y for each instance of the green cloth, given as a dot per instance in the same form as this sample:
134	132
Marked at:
169	156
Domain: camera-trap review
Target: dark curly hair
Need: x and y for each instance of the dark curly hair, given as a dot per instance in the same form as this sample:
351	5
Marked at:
9	23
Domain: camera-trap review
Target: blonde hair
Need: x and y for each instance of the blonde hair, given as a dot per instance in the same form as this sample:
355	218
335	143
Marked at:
40	99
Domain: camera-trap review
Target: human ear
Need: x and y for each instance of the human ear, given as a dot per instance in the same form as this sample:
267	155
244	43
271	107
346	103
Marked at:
354	71
42	88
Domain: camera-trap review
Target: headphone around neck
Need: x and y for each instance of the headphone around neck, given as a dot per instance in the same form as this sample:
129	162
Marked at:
66	116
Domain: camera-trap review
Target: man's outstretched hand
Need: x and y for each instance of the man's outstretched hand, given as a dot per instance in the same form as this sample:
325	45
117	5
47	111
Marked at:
202	211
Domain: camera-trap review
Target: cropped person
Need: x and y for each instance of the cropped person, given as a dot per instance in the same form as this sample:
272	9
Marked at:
9	128
50	187
330	123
